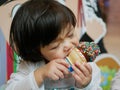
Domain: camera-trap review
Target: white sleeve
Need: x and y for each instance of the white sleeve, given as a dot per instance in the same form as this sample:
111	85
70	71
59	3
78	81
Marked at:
115	85
20	82
96	78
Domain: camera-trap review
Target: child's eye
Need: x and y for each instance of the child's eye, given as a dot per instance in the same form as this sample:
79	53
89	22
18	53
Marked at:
71	35
54	47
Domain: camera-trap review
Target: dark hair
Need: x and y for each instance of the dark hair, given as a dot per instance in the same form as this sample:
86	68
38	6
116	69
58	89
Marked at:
4	2
36	24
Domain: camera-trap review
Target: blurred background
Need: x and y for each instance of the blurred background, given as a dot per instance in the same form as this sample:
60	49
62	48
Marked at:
112	38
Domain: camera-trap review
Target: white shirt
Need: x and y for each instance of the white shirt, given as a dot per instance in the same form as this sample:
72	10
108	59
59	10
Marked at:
115	85
24	79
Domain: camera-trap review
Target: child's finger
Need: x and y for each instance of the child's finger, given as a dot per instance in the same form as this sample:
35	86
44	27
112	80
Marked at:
77	72
82	68
63	62
59	74
89	68
63	69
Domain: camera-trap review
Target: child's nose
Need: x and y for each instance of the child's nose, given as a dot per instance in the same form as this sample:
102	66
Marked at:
67	46
67	49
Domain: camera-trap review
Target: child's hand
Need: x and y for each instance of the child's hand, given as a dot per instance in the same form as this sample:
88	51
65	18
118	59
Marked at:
82	74
56	69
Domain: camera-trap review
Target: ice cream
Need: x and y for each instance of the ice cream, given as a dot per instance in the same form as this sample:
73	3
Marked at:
85	52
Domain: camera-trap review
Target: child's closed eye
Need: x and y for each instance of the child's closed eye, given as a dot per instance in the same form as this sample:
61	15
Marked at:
71	35
54	47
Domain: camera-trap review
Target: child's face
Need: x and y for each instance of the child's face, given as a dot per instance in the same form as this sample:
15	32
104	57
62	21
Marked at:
61	46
